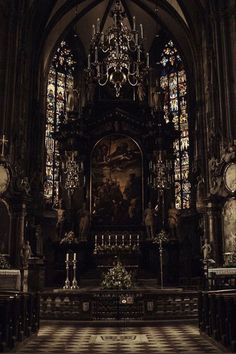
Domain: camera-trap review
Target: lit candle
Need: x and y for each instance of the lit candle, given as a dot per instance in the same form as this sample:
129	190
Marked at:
123	240
116	239
74	256
67	257
130	240
109	238
134	24
141	30
148	60
102	240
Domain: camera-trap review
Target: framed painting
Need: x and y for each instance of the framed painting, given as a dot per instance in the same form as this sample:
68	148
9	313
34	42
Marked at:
116	182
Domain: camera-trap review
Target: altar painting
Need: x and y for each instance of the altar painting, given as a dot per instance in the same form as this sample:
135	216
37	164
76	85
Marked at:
116	182
229	222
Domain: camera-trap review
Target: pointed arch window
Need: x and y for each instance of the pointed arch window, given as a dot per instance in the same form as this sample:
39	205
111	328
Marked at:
60	78
174	84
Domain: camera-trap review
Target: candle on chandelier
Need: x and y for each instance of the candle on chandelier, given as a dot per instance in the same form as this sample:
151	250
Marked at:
94	31
74	256
96	54
102	38
139	52
102	240
134	24
115	20
98	25
148	60
141	30
89	62
67	257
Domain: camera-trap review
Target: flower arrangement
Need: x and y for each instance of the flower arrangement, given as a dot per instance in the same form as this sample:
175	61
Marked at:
117	278
114	249
161	237
3	262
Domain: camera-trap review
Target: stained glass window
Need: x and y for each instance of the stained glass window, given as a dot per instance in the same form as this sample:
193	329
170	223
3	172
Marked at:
174	84
60	78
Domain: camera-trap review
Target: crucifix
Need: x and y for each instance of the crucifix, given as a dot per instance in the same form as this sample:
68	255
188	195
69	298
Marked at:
3	142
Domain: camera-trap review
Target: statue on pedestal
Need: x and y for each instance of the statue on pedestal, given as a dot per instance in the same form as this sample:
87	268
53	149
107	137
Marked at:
206	250
60	218
173	221
84	222
149	220
25	254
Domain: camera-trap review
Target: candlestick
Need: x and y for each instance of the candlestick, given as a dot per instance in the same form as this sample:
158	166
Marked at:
67	281
74	281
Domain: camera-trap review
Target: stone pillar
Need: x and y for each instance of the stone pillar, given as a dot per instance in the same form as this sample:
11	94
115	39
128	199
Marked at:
214	230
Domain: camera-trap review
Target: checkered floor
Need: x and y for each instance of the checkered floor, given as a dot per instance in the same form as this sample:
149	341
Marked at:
164	338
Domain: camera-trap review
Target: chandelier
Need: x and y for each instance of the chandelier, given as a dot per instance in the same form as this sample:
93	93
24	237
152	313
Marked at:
72	171
117	56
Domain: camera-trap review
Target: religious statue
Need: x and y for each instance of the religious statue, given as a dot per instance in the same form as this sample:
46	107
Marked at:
84	222
149	220
140	92
25	254
173	220
69	238
206	250
200	193
90	91
72	102
60	218
157	98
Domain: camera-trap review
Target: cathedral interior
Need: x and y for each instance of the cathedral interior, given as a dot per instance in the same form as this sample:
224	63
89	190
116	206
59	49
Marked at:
118	176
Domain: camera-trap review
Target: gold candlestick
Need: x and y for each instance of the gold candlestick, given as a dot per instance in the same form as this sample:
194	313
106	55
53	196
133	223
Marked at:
74	281
67	281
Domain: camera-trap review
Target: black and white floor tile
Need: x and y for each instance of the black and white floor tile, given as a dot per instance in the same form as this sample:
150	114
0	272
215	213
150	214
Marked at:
71	338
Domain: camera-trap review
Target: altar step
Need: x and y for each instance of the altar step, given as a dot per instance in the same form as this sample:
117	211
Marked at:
94	304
